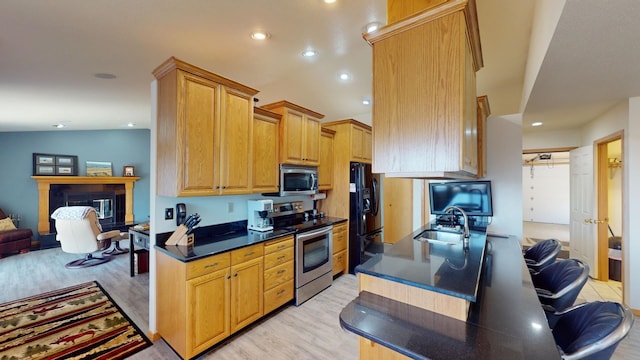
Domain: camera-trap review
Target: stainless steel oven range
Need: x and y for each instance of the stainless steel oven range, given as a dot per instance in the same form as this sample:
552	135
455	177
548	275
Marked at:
314	262
313	249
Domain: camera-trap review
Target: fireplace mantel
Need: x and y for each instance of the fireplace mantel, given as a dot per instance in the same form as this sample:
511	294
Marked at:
44	185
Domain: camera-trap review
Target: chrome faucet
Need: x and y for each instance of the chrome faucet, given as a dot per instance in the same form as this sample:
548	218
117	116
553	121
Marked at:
464	215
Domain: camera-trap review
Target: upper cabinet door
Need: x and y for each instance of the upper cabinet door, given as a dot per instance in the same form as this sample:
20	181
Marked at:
299	133
293	138
236	142
266	142
197	128
311	141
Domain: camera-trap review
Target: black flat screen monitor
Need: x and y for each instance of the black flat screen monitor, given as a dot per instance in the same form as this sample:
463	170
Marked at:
474	197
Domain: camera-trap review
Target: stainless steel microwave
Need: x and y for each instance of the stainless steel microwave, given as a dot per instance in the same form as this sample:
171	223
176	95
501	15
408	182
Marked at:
297	180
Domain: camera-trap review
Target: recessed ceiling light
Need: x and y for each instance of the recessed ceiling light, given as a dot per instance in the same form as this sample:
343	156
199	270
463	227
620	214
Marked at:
329	1
260	35
372	26
106	76
309	53
366	102
131	124
344	76
58	126
537	123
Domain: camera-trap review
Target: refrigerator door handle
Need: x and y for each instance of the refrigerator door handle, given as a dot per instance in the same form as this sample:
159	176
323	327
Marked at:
376	204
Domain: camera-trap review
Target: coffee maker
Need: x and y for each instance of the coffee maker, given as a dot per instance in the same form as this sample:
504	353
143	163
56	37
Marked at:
260	215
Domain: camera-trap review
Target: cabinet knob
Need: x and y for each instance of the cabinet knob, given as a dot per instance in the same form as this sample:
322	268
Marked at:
224	187
235	275
228	277
217	187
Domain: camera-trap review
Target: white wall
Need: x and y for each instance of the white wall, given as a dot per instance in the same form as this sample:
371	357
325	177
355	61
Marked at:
504	162
631	209
545	19
551	139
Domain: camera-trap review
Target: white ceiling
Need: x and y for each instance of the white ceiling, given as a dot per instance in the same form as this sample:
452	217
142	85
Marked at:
50	51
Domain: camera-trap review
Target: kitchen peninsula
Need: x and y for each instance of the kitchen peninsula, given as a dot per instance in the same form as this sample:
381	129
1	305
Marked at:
428	280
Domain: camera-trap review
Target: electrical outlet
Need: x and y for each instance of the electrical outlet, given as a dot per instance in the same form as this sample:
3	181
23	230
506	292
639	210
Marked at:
230	207
168	213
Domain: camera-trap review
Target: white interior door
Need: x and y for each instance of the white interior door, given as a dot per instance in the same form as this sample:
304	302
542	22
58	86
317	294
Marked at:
584	240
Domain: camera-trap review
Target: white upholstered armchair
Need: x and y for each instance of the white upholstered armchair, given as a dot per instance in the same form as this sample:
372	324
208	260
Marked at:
79	232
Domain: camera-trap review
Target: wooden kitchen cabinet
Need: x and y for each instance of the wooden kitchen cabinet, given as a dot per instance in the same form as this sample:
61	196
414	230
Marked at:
266	142
325	169
299	133
361	145
205	132
398	208
340	247
246	286
424	87
202	302
193	302
352	142
279	272
483	113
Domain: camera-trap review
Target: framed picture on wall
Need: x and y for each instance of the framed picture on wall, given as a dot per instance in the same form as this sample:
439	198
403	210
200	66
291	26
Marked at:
55	164
127	170
99	168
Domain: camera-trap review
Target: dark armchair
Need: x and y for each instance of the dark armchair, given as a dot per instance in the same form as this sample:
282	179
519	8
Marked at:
591	330
12	239
559	284
542	254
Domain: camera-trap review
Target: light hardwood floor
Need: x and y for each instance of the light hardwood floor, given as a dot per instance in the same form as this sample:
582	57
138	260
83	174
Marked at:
310	331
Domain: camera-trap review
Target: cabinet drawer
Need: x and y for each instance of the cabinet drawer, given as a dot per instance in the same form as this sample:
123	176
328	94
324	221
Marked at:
339	262
278	296
207	265
278	244
245	254
278	258
340	240
277	275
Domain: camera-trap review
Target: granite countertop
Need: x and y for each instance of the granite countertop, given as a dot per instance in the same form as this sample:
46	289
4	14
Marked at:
440	267
505	322
216	239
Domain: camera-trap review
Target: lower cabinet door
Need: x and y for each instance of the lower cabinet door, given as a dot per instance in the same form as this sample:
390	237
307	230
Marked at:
208	310
246	293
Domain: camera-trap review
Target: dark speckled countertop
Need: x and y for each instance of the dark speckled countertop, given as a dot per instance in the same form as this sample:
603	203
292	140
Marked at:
505	322
445	268
216	239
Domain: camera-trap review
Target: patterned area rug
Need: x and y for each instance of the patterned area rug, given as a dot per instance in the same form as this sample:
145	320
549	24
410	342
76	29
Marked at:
79	322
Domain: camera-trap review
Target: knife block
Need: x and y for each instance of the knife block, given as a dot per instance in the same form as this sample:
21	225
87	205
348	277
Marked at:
180	237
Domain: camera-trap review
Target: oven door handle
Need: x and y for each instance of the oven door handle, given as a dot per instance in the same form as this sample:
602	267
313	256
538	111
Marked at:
310	234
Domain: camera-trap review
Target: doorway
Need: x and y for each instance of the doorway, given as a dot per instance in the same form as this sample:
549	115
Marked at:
609	207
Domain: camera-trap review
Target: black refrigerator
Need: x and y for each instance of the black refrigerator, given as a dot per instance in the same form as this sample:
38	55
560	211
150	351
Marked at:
365	215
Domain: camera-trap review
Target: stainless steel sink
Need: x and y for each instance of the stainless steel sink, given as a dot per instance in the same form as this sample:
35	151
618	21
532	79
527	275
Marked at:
441	236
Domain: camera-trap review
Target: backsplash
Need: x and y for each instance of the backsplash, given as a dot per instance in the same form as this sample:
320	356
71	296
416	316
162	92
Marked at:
214	209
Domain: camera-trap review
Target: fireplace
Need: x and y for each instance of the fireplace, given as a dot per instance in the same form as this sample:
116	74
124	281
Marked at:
56	191
107	199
